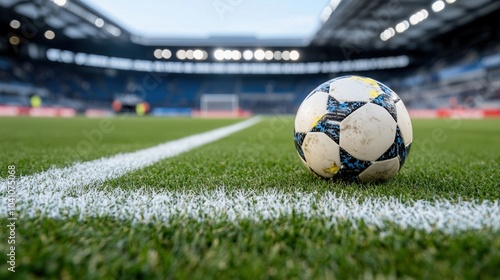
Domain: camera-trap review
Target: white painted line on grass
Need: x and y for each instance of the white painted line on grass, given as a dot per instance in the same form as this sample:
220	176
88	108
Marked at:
145	206
98	171
59	193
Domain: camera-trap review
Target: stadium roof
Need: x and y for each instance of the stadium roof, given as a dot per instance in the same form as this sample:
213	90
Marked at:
76	20
370	25
382	24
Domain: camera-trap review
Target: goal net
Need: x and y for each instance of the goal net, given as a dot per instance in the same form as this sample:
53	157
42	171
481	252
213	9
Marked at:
219	105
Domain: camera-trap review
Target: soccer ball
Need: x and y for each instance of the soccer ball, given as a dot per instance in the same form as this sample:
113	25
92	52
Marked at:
353	128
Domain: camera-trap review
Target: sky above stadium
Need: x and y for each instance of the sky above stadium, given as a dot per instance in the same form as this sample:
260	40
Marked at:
205	18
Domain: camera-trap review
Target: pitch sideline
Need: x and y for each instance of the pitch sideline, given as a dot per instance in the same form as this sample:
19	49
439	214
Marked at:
150	206
100	170
58	193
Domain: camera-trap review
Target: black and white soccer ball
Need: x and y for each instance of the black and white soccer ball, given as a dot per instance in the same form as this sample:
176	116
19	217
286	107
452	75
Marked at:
353	128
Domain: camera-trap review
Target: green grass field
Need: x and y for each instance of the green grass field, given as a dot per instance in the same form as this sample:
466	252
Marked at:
453	160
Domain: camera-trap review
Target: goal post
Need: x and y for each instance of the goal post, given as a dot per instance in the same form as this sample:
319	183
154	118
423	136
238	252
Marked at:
219	105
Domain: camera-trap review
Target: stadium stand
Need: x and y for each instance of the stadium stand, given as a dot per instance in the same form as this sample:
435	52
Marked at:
458	70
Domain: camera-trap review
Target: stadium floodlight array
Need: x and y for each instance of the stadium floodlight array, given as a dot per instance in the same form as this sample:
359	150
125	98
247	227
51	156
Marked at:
15	40
258	54
229	54
438	6
15	24
88	16
181	54
60	2
328	10
191	54
414	19
201	67
165	53
418	17
49	34
404	25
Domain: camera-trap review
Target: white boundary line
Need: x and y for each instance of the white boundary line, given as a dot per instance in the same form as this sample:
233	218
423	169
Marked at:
146	206
98	171
60	193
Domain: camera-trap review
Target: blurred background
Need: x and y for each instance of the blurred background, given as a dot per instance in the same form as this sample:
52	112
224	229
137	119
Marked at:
234	58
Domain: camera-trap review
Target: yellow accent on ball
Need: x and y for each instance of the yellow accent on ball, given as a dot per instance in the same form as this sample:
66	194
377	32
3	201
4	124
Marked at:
316	120
366	80
333	169
374	93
